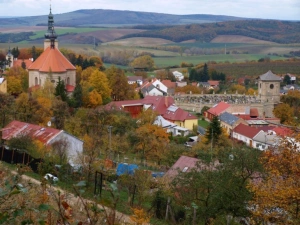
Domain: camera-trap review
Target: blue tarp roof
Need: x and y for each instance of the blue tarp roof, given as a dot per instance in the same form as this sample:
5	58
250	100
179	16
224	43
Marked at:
124	168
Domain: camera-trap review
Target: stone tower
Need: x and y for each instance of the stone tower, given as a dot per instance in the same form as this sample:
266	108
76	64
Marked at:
269	87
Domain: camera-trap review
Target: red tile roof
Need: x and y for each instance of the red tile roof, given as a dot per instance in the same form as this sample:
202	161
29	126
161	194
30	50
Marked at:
178	115
52	59
37	132
246	131
283	131
213	82
27	62
216	110
169	84
181	163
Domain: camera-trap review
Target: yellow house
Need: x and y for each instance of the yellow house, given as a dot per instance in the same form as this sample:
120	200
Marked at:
181	117
3	85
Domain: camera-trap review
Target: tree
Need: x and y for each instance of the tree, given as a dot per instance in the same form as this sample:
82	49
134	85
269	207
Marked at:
205	75
99	82
118	83
95	99
60	90
77	96
6	108
276	191
151	141
60	112
144	61
285	113
213	131
287	79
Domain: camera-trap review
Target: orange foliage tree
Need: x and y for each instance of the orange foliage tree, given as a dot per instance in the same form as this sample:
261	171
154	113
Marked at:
277	192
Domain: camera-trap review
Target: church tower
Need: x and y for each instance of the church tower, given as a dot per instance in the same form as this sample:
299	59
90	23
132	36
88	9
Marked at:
269	87
50	35
9	59
52	64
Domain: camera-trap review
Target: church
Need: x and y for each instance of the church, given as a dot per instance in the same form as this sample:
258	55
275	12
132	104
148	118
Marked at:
52	64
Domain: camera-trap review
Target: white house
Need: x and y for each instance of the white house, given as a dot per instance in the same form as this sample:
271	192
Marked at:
178	76
171	127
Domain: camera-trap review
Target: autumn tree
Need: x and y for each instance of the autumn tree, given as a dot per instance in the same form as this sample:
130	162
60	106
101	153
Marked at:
99	82
144	61
188	89
151	142
17	80
237	88
118	83
60	112
276	191
285	113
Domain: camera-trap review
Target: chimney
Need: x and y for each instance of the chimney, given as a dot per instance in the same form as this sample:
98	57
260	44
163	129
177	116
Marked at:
166	101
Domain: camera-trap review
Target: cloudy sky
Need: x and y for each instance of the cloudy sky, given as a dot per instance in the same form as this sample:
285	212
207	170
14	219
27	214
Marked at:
265	9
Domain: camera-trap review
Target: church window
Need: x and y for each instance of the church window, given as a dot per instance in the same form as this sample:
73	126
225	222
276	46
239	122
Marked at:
271	86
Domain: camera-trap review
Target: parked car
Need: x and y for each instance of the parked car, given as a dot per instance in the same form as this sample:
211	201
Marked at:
51	177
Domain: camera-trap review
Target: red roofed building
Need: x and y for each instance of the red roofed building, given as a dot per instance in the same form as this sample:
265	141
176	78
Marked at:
163	105
213	83
18	62
216	110
51	64
46	135
183	164
245	133
283	131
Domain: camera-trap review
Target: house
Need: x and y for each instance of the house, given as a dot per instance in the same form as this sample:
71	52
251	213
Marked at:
154	88
216	110
3	85
46	135
178	76
264	140
135	80
162	105
181	117
170	127
213	83
229	121
170	85
204	84
183	164
245	134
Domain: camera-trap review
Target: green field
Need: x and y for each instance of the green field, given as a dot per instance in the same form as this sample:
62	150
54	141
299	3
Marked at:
173	61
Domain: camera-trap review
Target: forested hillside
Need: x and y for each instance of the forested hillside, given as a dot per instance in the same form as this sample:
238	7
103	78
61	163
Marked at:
268	30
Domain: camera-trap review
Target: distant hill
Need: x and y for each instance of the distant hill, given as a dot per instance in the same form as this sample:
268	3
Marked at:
268	30
99	17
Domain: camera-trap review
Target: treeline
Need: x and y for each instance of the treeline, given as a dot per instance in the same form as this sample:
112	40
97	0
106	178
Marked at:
269	30
15	37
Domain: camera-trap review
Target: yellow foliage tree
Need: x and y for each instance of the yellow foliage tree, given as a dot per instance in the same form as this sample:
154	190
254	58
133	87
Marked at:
99	82
251	91
238	88
285	113
95	99
144	61
139	216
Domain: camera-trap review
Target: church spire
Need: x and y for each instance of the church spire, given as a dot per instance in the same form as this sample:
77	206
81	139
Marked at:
50	34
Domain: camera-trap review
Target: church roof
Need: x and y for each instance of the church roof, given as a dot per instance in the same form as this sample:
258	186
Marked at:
52	59
269	76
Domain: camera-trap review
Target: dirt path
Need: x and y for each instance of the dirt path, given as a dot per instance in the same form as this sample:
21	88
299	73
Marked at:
75	201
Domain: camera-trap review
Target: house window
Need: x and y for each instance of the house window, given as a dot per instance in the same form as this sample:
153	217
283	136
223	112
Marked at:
36	81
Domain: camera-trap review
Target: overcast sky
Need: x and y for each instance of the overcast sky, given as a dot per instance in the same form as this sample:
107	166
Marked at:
265	9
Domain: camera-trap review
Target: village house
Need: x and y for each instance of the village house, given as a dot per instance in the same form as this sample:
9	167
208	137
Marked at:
229	122
153	88
216	110
46	135
178	76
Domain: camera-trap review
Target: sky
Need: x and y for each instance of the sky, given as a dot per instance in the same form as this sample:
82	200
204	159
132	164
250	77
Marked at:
263	9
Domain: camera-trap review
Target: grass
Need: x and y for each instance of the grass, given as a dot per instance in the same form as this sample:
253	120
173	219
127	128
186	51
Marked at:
203	123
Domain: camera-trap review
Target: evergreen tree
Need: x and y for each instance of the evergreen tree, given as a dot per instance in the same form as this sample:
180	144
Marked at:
193	75
33	53
205	74
60	90
213	131
77	96
287	79
23	65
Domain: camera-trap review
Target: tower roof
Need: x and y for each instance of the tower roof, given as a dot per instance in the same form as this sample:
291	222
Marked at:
269	76
50	34
52	59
